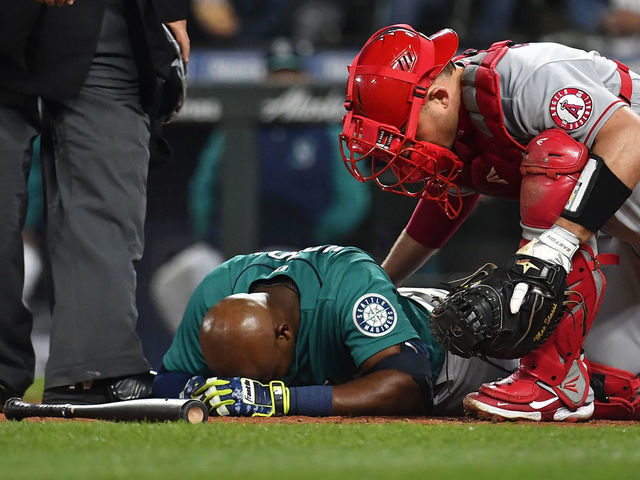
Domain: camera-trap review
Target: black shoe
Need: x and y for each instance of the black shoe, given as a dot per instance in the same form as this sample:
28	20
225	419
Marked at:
3	397
102	391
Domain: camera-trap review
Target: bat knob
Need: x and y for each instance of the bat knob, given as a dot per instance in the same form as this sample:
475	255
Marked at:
195	411
12	408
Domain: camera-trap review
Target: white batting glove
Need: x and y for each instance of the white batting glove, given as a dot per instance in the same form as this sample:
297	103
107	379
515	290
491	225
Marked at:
555	245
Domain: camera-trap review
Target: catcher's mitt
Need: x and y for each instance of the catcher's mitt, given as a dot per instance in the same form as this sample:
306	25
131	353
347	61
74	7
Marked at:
475	317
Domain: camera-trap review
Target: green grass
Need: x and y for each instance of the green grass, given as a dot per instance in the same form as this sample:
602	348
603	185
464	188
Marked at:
34	392
220	451
223	451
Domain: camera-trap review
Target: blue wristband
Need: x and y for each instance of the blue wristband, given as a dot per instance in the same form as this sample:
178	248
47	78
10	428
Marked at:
169	384
313	401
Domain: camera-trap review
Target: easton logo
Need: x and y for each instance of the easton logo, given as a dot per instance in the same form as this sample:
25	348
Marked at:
493	177
373	315
571	384
570	108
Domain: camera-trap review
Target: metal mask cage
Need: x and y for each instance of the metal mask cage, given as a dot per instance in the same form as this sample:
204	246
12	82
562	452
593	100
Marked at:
371	151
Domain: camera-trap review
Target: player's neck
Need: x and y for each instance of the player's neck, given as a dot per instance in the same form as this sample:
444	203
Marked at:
285	295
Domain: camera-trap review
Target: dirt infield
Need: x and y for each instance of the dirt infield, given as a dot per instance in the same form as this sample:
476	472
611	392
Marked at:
416	420
365	420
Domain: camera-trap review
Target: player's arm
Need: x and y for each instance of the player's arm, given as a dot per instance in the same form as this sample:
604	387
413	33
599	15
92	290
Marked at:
617	145
405	257
168	384
384	388
58	3
428	229
568	192
394	381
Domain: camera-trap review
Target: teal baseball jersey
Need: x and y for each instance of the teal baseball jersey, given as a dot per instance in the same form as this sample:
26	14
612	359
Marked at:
349	311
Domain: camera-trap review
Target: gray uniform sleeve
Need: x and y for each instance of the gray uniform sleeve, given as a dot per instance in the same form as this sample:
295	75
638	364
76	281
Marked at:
553	86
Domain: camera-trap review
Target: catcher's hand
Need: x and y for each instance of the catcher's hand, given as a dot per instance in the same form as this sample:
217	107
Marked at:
555	245
475	317
239	397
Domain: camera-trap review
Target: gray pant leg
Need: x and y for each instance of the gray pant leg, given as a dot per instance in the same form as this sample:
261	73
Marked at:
17	132
461	376
614	338
96	166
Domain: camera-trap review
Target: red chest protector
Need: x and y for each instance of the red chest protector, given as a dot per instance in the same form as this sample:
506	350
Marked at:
490	155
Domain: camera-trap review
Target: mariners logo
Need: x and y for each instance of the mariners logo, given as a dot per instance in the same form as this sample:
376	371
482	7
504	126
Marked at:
374	315
570	108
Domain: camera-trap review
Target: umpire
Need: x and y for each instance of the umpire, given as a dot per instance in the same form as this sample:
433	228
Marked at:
88	76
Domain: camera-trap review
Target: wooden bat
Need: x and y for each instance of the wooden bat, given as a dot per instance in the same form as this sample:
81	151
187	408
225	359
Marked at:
148	409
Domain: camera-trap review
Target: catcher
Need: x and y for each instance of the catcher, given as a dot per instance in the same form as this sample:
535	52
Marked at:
553	127
318	332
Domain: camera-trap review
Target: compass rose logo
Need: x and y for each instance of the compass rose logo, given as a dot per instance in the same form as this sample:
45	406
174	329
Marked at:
373	315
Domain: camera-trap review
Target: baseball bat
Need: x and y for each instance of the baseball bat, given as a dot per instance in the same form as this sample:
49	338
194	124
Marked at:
149	409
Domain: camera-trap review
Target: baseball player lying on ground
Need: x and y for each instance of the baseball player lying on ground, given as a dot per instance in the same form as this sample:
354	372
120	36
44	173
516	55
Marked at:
322	331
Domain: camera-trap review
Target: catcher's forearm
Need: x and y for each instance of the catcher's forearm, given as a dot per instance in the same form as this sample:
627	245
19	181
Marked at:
405	257
385	392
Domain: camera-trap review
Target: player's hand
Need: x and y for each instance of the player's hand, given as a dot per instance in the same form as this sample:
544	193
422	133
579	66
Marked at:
239	397
555	245
179	29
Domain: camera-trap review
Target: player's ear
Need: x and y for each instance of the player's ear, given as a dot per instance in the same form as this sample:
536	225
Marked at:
439	95
283	331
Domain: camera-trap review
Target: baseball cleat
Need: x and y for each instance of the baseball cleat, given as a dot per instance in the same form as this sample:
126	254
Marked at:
546	407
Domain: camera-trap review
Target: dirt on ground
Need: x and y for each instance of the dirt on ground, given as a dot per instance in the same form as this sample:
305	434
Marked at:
364	420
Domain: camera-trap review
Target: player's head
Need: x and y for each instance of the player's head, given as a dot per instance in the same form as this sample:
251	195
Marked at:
244	335
387	87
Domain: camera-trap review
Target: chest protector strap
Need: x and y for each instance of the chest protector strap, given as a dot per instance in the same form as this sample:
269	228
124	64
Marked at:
626	87
481	93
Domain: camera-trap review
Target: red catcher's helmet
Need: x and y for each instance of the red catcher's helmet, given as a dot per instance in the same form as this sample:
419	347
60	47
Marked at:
387	86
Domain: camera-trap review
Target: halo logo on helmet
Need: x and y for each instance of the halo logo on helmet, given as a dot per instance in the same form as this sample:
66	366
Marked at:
387	87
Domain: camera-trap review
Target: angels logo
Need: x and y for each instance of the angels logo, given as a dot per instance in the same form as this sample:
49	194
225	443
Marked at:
570	108
373	315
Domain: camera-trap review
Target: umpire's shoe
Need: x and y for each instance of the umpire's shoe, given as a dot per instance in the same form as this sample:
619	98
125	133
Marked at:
102	391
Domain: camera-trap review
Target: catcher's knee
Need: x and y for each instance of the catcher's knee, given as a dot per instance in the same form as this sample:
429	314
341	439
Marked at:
550	169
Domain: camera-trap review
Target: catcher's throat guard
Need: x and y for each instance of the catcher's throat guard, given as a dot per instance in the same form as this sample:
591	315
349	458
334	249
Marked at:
475	319
387	87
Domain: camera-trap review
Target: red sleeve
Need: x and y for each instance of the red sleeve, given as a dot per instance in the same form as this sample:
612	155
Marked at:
430	226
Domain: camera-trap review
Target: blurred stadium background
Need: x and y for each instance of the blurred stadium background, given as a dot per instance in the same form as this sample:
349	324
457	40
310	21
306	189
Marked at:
256	162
